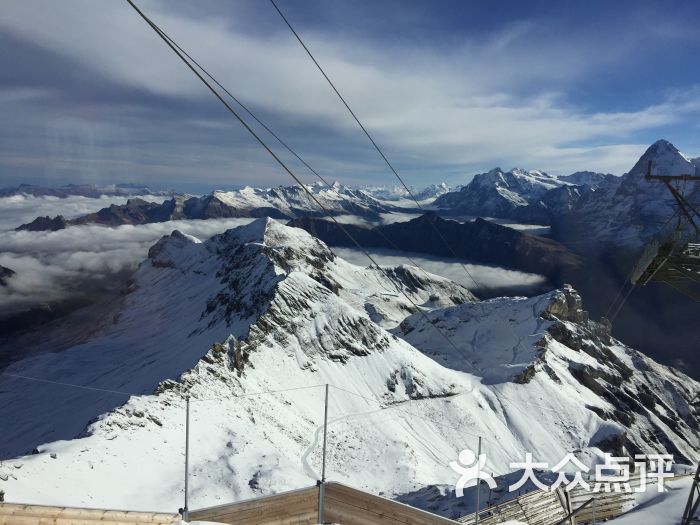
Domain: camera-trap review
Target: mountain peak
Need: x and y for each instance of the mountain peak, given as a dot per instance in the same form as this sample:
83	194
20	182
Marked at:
663	143
665	158
166	252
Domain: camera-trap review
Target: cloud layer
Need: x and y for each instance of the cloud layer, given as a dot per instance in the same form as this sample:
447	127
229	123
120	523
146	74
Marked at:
116	103
53	266
91	259
20	209
492	277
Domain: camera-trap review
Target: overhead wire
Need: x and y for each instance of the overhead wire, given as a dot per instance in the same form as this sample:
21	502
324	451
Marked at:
127	393
437	231
279	161
296	179
371	139
283	143
72	385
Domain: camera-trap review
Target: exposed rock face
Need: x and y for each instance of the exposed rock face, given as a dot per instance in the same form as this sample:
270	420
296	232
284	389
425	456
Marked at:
567	306
554	203
5	274
44	224
480	241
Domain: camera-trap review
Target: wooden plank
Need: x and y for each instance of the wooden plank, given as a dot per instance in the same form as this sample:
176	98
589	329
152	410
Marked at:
72	521
364	507
49	514
287	508
346	513
535	508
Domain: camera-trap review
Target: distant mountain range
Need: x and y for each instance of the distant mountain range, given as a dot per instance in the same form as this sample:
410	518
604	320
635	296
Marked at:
81	190
632	211
604	220
589	207
398	193
521	195
279	203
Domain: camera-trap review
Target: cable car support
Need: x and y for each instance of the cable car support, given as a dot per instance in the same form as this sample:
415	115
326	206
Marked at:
674	261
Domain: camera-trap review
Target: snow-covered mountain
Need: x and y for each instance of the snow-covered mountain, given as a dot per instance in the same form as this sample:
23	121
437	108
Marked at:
588	178
293	201
394	194
283	202
630	213
519	194
266	307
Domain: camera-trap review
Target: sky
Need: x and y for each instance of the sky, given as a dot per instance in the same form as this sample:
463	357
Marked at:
90	94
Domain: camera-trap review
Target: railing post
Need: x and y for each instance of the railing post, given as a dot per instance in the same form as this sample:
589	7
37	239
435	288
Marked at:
478	484
185	510
322	483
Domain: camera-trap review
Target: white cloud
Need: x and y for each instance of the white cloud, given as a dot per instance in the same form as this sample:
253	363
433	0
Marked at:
489	100
20	209
52	266
486	276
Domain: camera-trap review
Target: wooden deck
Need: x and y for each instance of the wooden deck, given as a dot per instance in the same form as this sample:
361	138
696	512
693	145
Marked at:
300	507
293	507
535	508
16	514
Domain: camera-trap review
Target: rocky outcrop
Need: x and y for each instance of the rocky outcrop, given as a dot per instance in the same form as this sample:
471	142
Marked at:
5	274
44	224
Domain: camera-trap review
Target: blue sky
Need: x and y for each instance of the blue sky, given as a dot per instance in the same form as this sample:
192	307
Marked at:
88	93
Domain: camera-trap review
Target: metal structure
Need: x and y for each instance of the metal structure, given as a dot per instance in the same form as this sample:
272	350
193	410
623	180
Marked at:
322	481
675	260
691	507
478	486
184	511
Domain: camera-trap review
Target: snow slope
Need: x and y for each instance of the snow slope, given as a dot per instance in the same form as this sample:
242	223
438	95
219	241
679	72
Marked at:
654	508
549	345
265	307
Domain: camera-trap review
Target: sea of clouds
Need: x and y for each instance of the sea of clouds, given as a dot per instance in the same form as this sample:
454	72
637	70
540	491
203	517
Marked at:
54	266
476	277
